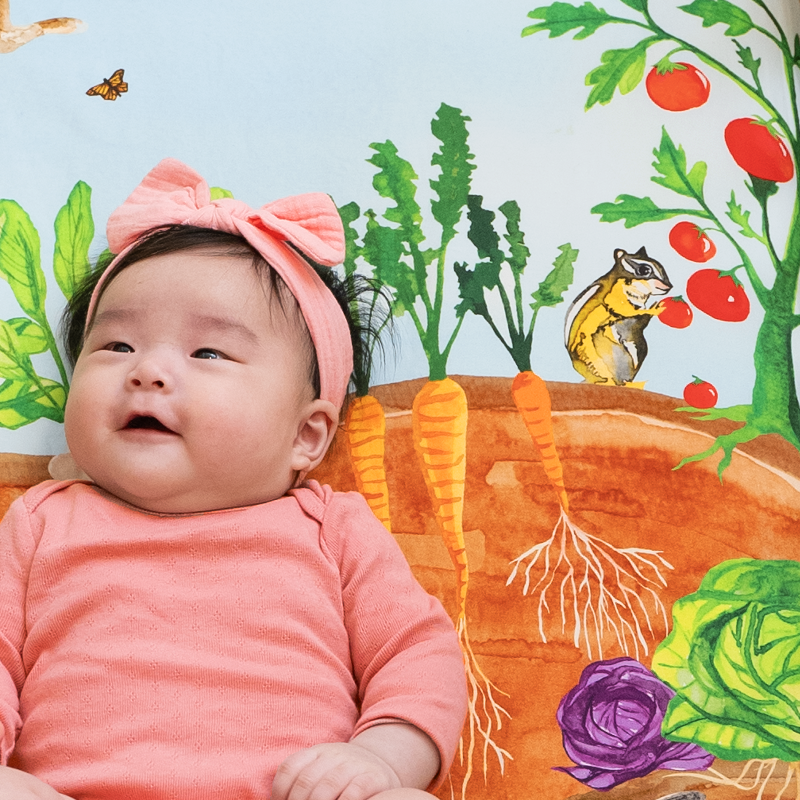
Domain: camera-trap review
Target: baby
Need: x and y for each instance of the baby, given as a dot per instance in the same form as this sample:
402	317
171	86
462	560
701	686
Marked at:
198	621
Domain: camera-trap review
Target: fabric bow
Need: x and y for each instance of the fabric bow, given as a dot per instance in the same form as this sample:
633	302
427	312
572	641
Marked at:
174	194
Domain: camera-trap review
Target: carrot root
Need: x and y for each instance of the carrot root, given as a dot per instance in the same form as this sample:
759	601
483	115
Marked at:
604	591
365	426
765	772
532	399
439	429
439	426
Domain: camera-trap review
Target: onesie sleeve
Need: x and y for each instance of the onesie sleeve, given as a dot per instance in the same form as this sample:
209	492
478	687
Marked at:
17	547
406	656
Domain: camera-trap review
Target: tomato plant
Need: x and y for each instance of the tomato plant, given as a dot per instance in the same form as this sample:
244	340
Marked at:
758	150
689	241
677	86
700	393
718	294
677	312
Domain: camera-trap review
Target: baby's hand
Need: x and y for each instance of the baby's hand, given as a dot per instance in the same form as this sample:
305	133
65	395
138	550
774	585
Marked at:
17	785
332	772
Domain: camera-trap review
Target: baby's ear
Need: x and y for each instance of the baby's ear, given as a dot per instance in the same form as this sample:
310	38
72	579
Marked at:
314	435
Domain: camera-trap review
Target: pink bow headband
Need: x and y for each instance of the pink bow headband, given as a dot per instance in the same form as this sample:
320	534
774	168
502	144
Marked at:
174	194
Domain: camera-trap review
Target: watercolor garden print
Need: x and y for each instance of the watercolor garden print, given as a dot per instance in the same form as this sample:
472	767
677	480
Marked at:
683	687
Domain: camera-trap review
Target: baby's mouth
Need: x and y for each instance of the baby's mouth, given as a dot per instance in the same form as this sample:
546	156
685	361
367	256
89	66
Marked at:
146	422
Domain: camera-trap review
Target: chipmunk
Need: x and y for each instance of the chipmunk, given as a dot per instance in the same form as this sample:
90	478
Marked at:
604	328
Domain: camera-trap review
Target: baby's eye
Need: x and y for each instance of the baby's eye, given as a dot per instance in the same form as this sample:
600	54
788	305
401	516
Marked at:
119	347
207	352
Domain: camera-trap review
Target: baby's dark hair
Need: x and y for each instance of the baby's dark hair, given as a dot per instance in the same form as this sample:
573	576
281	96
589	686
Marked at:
364	303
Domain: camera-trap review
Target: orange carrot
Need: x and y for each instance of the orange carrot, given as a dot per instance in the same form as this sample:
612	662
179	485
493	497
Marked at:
439	427
365	426
533	401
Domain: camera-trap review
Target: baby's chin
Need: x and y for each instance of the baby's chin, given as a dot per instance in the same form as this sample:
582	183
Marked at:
158	497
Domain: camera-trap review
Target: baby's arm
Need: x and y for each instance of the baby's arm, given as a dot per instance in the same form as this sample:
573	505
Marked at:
388	756
17	785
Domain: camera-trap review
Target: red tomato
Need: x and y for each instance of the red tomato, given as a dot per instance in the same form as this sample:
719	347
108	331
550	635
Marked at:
718	294
680	89
700	394
677	312
759	151
689	241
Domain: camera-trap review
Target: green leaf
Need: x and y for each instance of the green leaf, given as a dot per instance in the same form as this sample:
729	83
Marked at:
671	164
634	210
747	60
742	219
31	338
395	181
383	248
23	402
74	228
452	158
20	263
721	11
797	48
620	69
560	18
349	214
637	5
518	259
551	289
481	231
14	364
218	193
733	659
473	283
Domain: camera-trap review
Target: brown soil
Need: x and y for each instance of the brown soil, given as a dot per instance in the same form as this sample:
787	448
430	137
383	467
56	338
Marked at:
619	448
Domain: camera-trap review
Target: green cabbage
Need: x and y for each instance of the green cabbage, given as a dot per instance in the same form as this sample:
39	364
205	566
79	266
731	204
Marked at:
733	658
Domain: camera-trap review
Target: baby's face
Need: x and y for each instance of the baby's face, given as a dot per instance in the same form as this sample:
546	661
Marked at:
192	392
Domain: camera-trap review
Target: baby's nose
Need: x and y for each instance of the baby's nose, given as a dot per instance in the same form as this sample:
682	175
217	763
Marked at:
149	373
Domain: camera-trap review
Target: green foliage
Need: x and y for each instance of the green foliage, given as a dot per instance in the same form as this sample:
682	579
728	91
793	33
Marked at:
453	159
349	214
713	12
383	248
19	260
748	61
217	193
394	250
74	228
26	396
670	163
485	276
634	211
621	69
395	181
551	290
518	252
733	658
741	219
560	18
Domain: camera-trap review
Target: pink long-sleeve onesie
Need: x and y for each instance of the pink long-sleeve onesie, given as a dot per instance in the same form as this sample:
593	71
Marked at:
185	656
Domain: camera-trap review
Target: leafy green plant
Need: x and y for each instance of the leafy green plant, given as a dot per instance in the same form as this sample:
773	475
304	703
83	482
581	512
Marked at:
733	658
774	407
25	395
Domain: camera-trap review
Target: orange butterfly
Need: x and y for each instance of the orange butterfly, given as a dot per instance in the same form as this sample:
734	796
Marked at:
111	88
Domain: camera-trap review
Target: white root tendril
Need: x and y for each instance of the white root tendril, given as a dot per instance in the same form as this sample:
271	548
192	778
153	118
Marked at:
764	770
602	589
485	714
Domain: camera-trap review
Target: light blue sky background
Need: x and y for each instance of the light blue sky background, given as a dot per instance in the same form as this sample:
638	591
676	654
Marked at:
276	97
